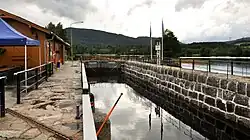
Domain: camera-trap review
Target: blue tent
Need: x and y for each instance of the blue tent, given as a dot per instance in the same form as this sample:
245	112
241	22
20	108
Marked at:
10	37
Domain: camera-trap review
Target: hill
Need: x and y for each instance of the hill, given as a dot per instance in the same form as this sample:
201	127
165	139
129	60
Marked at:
94	37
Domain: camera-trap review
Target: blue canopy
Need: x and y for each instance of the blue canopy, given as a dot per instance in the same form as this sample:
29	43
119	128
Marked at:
10	37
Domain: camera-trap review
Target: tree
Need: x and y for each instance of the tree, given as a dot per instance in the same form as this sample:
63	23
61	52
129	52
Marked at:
58	30
205	52
236	51
171	44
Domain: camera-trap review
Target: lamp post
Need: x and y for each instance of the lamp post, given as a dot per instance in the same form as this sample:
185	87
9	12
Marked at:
71	38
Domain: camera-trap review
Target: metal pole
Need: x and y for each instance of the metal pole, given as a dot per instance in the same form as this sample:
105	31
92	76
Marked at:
232	67
18	89
227	70
36	71
2	97
71	41
193	65
209	65
25	63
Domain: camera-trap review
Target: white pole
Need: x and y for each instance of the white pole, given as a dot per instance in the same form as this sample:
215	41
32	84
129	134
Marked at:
162	40
71	41
151	43
25	66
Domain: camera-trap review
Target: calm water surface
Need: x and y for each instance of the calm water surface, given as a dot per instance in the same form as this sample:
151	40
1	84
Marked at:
130	119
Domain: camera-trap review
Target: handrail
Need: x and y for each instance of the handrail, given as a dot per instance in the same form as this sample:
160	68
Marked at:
31	69
89	130
2	96
219	57
38	76
3	77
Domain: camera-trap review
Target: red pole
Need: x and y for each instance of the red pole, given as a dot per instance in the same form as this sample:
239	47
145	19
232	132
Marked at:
108	115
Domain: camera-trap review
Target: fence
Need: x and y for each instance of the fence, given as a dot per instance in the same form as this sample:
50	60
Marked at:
2	96
225	65
27	79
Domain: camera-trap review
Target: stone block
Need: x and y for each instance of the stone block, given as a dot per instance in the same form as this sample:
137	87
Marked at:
242	88
209	119
202	79
182	83
200	115
177	81
228	95
193	94
211	91
185	75
198	87
217	113
194	103
244	123
232	86
210	101
240	136
180	75
220	104
195	77
241	99
223	83
171	79
187	84
192	84
166	71
231	118
220	93
248	90
184	92
229	130
191	77
175	73
220	125
169	85
242	111
205	108
187	100
201	97
170	71
207	126
230	106
178	89
213	81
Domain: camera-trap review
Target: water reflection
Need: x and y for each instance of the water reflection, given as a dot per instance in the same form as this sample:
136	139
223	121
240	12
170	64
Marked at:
133	119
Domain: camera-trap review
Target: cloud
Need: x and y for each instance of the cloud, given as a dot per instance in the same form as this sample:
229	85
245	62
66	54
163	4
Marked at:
71	9
184	4
147	3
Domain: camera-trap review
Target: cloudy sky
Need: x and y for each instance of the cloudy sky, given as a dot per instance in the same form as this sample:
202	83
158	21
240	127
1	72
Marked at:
190	20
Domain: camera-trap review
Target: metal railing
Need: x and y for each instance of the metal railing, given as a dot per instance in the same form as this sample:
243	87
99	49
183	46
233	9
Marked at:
2	96
27	79
238	66
89	130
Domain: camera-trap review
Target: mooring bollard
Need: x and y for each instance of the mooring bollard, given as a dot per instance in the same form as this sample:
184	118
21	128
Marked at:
2	96
77	112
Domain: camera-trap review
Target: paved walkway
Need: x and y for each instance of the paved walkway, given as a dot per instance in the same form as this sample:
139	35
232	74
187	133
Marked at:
53	104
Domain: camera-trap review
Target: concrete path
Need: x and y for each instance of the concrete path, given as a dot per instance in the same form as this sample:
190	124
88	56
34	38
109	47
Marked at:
53	104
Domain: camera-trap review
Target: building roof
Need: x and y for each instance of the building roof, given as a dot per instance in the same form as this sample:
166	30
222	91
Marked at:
60	39
6	15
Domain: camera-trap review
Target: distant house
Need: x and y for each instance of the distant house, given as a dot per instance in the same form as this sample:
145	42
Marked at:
52	47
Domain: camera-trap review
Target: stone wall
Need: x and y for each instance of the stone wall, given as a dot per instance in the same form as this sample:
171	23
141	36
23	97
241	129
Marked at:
217	106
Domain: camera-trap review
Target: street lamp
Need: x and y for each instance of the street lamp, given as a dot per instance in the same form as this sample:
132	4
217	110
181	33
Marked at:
71	38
